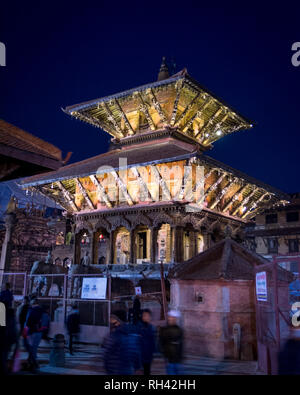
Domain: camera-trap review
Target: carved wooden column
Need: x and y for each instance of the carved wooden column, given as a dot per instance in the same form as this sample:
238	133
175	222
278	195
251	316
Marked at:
110	259
178	245
153	245
132	257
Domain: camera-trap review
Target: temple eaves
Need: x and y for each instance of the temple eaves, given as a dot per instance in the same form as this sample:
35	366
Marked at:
178	102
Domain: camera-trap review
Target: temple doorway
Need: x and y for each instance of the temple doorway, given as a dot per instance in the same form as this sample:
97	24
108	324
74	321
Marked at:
83	248
101	243
122	246
142	241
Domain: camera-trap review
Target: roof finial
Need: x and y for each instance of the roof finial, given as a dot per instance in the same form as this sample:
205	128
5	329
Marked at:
164	71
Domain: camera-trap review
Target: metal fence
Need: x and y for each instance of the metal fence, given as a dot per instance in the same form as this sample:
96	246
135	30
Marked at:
57	294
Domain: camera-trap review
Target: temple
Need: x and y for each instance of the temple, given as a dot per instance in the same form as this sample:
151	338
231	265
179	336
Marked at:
155	196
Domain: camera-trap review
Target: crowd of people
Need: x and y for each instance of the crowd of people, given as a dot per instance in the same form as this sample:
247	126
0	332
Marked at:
29	324
129	347
132	342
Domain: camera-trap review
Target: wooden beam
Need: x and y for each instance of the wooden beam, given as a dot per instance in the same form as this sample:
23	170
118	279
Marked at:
159	179
101	190
209	121
198	114
157	106
85	194
123	115
245	200
68	196
214	185
254	204
221	194
142	183
41	190
143	107
123	187
234	197
179	87
187	108
217	127
185	178
111	118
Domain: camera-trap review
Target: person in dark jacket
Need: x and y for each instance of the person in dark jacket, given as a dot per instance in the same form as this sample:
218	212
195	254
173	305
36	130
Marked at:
171	342
6	296
148	341
289	356
33	332
8	339
122	349
22	313
73	326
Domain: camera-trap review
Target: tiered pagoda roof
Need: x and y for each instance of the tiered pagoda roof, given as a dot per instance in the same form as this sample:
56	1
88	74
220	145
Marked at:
168	123
177	102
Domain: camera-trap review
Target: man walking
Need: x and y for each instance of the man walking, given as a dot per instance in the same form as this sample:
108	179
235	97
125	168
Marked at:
171	341
148	340
33	332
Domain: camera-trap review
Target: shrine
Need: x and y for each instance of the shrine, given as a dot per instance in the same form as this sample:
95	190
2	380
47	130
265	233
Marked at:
155	196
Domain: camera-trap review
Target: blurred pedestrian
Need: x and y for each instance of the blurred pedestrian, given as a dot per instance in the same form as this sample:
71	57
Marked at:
8	341
73	326
122	349
33	332
136	310
148	341
289	356
171	342
6	296
22	313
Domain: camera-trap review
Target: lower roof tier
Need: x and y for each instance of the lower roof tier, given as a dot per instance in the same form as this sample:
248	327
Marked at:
165	170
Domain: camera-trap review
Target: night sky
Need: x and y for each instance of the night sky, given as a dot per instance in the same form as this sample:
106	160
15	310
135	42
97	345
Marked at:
63	53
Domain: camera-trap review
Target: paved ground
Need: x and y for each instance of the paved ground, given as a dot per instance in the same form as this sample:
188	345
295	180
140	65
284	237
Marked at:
87	360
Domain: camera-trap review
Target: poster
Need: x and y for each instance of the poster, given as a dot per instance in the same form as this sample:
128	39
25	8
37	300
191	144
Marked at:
261	286
138	290
93	288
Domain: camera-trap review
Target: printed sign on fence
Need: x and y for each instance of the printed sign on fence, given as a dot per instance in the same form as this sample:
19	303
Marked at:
138	290
261	286
93	288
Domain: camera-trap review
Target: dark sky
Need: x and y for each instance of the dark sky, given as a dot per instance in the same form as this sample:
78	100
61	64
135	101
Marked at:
63	53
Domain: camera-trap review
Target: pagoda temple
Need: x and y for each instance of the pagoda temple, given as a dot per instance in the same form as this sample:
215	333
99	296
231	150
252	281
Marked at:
155	196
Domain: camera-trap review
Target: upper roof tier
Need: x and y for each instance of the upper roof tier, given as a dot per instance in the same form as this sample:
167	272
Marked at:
177	102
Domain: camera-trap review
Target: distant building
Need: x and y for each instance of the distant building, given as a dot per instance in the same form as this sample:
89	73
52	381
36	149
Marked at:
25	235
275	234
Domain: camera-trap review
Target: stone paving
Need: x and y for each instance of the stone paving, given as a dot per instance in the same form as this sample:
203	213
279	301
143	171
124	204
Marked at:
87	360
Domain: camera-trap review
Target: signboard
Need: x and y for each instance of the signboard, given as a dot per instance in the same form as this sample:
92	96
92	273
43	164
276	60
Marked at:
138	290
261	286
93	288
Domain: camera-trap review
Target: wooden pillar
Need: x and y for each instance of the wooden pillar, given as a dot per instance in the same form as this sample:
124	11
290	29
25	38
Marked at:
153	245
110	259
178	245
132	256
6	246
